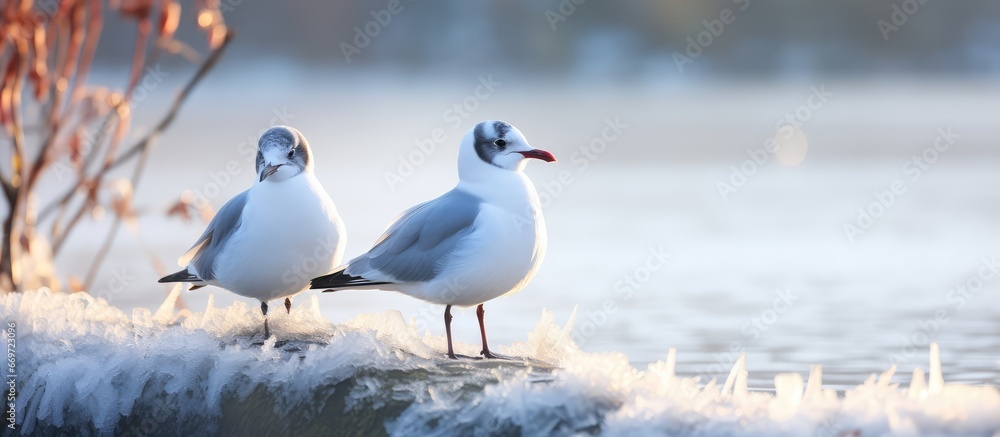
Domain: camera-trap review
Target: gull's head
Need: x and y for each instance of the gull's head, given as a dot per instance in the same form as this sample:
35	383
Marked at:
282	153
498	144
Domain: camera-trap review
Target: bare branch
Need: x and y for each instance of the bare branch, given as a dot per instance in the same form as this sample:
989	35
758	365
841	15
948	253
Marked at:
17	180
145	147
102	252
8	189
92	185
147	141
63	200
116	224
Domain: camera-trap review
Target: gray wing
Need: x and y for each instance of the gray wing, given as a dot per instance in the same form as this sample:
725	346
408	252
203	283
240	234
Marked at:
202	255
416	245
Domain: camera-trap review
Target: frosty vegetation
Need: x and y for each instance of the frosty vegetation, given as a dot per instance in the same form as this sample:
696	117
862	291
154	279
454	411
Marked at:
87	366
69	133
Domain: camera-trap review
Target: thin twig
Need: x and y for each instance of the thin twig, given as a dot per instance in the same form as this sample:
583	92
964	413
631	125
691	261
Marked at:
145	149
82	181
113	232
63	200
8	189
93	185
76	37
88	203
146	141
7	255
94	25
18	137
138	56
102	252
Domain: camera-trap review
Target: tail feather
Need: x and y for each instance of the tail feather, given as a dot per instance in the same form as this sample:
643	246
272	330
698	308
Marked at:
340	280
181	276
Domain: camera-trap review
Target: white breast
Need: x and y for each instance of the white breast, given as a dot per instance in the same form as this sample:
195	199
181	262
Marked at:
290	233
500	257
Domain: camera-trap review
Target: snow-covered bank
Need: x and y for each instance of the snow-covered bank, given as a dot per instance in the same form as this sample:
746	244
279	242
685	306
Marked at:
87	367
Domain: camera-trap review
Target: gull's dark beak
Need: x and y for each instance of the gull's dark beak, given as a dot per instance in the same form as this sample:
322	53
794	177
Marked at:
268	171
539	154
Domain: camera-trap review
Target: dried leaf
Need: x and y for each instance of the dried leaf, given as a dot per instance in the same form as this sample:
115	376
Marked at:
40	72
179	209
217	36
7	93
94	26
170	17
138	9
121	197
74	145
75	284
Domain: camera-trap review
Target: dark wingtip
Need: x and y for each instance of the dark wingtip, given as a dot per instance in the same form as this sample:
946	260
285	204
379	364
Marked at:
326	280
181	276
340	281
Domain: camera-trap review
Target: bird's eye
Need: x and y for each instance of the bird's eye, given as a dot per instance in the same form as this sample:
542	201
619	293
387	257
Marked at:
500	143
291	153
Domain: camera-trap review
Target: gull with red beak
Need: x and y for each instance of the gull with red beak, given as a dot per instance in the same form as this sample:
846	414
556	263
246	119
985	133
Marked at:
270	240
483	239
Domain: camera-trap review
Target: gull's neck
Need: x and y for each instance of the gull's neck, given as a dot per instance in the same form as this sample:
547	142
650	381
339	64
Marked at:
496	185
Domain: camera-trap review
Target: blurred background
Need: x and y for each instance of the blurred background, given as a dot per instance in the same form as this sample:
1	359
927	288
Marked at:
806	182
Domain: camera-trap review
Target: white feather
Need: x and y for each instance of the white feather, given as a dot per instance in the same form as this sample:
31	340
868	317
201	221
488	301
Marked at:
290	233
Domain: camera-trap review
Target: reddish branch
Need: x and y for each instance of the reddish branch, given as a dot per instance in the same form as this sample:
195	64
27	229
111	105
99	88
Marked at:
68	37
145	145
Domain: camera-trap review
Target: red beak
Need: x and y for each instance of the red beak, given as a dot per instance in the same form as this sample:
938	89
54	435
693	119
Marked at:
539	154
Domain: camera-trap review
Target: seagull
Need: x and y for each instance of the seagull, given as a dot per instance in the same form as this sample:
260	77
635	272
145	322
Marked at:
483	239
270	240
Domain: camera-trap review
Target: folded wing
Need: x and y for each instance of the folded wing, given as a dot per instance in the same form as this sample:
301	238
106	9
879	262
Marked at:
200	258
415	248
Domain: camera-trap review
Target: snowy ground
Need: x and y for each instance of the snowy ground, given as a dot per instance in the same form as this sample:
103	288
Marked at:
86	367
